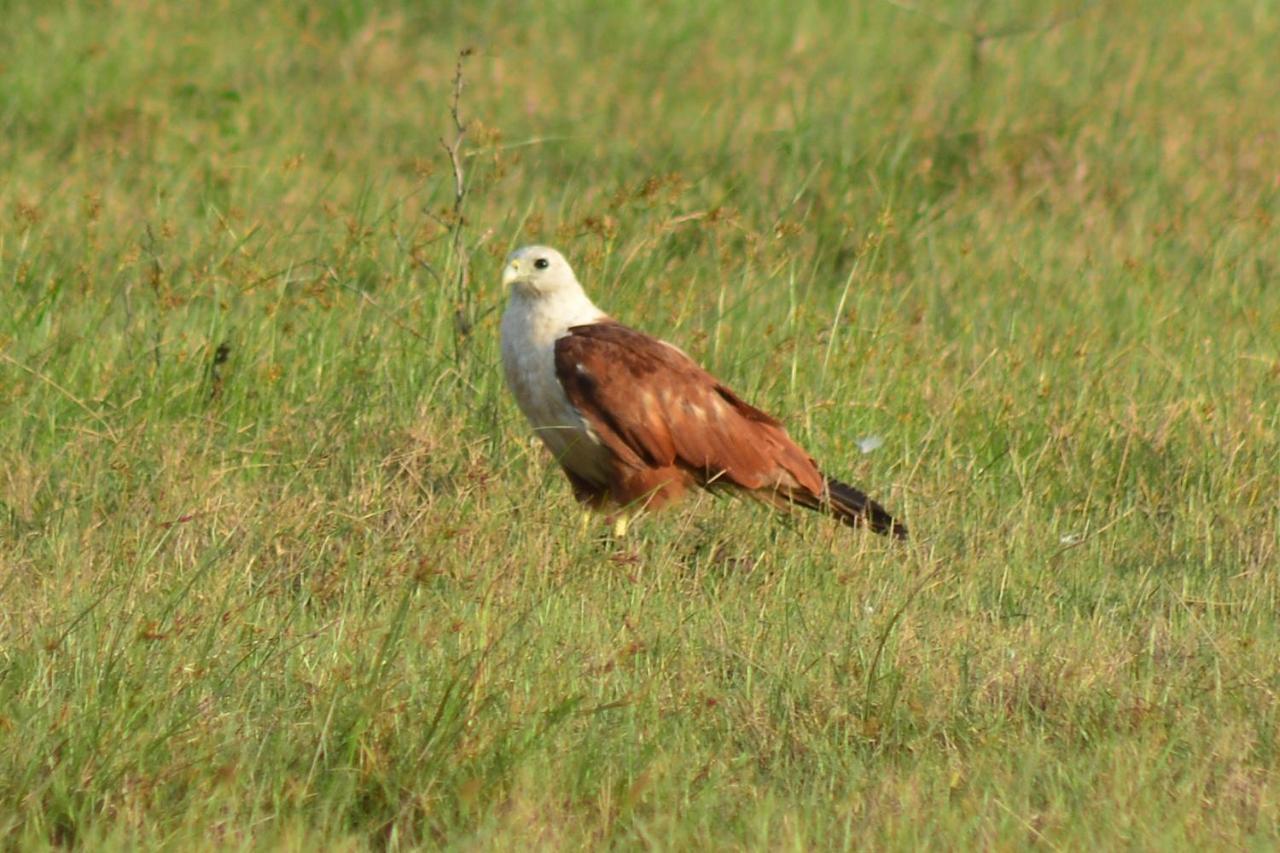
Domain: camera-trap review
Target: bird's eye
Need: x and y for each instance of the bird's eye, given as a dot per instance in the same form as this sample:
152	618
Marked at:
542	263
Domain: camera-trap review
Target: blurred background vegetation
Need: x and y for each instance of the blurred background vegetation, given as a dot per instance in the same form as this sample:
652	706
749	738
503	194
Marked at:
280	567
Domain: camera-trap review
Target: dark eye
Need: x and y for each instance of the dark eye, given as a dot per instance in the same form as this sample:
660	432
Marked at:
542	263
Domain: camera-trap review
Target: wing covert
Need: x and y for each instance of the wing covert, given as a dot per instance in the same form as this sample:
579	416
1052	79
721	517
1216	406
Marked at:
652	405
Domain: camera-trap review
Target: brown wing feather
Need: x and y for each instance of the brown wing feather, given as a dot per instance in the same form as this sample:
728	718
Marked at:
654	407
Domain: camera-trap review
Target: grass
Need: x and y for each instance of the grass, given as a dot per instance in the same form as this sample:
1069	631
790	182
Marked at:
322	591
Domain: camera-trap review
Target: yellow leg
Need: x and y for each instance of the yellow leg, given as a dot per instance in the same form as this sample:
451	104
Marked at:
620	525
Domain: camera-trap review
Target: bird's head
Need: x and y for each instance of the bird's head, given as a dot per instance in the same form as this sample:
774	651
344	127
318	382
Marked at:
539	272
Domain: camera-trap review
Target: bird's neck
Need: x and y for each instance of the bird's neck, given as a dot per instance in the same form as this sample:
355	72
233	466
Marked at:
545	317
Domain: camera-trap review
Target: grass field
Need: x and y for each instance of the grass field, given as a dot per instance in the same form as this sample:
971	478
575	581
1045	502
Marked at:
280	567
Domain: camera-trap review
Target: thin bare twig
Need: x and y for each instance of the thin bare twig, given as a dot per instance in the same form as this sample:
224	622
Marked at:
460	254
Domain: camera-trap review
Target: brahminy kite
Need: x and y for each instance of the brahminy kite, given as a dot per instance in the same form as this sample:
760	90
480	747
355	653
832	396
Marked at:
633	421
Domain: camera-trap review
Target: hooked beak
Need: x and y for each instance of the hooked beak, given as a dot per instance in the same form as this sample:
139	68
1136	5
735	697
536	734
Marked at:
510	273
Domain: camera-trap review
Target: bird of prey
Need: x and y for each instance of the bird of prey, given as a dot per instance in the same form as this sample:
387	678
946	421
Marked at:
633	421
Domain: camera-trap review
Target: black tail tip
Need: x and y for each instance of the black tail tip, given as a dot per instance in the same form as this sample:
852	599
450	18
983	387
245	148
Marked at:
897	530
854	508
880	521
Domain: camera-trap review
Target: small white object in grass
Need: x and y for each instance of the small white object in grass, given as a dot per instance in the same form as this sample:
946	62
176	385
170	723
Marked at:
1072	538
869	443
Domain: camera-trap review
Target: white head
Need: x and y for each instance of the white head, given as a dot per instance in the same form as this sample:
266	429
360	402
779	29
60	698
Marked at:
539	272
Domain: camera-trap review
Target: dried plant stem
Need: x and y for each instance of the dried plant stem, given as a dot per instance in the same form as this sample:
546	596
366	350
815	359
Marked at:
459	252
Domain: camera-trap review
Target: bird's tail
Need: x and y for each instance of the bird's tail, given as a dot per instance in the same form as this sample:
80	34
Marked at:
853	508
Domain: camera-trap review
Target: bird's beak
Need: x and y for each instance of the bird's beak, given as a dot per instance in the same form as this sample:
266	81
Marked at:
510	273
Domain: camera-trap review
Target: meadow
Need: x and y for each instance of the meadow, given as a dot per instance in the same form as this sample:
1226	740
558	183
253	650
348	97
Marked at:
281	568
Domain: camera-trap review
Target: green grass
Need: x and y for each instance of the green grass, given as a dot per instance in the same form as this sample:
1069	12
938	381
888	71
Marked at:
329	594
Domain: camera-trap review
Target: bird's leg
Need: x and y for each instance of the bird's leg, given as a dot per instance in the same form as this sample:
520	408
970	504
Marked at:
621	523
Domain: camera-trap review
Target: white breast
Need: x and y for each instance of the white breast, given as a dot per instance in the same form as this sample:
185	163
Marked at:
530	328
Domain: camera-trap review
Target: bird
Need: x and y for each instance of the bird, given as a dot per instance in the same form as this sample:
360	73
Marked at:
634	422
